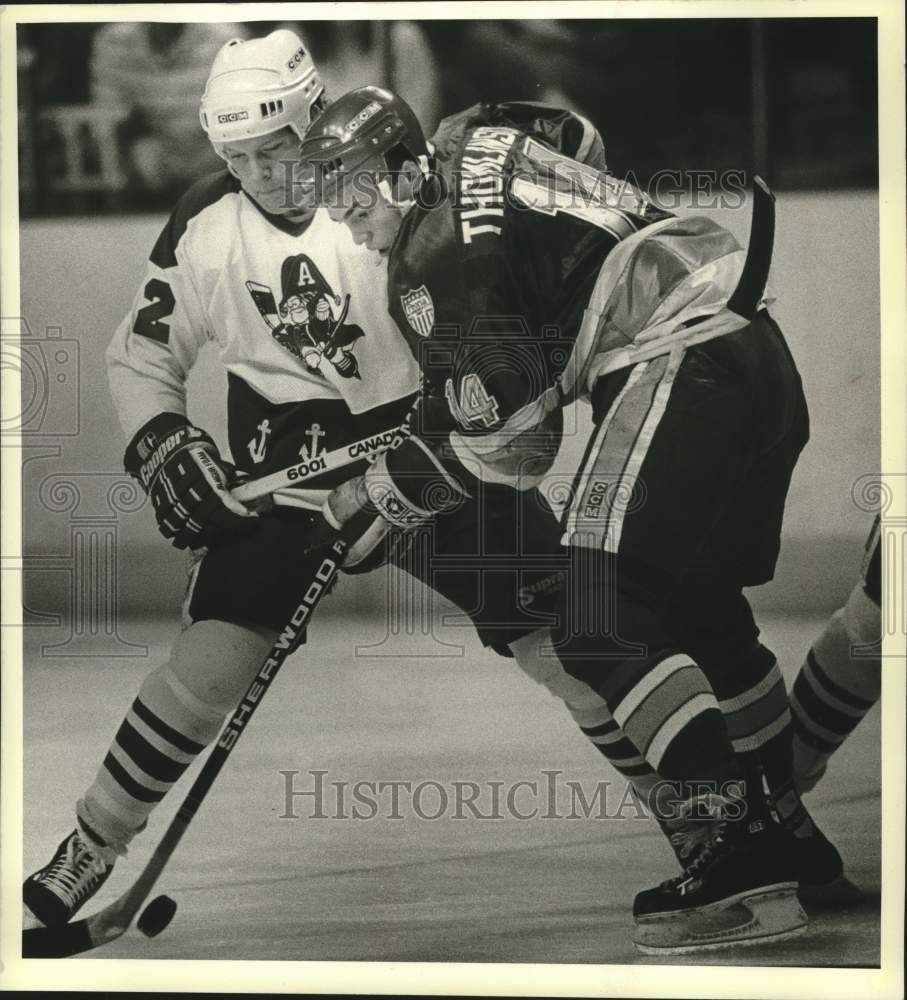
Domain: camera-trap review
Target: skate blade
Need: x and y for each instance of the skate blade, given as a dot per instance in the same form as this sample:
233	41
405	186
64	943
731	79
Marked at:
840	891
755	918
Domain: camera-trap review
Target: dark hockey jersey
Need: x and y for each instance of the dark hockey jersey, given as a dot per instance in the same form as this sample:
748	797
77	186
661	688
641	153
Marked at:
566	131
498	278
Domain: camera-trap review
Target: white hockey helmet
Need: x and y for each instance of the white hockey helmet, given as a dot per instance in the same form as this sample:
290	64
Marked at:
259	86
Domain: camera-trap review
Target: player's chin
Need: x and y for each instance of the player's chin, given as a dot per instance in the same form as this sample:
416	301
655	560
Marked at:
276	203
304	199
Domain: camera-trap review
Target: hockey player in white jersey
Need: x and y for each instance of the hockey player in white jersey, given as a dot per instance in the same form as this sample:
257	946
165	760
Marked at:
313	360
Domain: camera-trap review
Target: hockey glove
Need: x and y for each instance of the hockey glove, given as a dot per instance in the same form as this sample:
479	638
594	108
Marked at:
180	468
378	511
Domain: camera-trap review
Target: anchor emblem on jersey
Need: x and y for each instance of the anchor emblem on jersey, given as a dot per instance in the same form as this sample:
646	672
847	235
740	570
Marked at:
258	446
309	452
310	319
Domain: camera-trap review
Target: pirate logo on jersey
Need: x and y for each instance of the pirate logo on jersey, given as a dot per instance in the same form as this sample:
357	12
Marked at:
309	321
419	310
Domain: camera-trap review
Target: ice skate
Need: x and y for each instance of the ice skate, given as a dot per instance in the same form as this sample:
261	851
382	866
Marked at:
819	865
54	893
738	887
821	872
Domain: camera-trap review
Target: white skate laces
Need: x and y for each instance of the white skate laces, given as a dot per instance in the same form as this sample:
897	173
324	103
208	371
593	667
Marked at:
74	874
701	827
686	841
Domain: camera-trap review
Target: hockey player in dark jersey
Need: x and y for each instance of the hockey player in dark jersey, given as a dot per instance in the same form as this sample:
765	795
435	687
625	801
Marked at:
524	282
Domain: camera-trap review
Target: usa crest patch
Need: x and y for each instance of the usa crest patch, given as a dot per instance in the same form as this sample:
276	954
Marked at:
419	310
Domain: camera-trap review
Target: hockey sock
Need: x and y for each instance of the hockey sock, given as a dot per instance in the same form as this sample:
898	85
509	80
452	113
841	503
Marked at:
151	750
612	743
179	710
590	713
754	702
753	699
665	706
612	634
838	683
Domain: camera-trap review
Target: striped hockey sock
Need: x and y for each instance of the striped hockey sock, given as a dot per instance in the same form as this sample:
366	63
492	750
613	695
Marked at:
753	699
667	709
179	710
838	683
589	712
164	730
612	743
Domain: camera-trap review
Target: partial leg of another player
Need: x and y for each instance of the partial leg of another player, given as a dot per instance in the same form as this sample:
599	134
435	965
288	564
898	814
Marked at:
841	677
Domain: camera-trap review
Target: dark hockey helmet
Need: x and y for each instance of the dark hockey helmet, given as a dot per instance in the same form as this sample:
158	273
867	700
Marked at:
366	123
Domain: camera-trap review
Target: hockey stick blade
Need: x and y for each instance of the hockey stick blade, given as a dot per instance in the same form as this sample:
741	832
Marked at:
114	920
78	936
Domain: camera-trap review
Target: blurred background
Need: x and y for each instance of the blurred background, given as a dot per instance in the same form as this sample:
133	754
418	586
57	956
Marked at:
109	136
794	97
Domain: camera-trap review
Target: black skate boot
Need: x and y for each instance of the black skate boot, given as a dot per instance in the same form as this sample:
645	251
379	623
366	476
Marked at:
738	887
73	875
821	871
819	865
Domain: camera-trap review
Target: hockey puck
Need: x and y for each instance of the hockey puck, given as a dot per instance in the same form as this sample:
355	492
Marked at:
156	915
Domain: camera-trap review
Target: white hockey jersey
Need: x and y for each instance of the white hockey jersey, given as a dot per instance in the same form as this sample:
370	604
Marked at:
298	313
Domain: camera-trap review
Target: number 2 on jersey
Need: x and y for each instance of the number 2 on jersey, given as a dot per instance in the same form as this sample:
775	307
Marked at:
149	320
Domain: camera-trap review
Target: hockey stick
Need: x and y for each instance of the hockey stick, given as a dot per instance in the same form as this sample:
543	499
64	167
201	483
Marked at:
113	921
330	461
746	296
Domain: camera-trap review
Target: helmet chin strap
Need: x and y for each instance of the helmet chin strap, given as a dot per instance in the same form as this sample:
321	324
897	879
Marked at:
387	192
388	195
